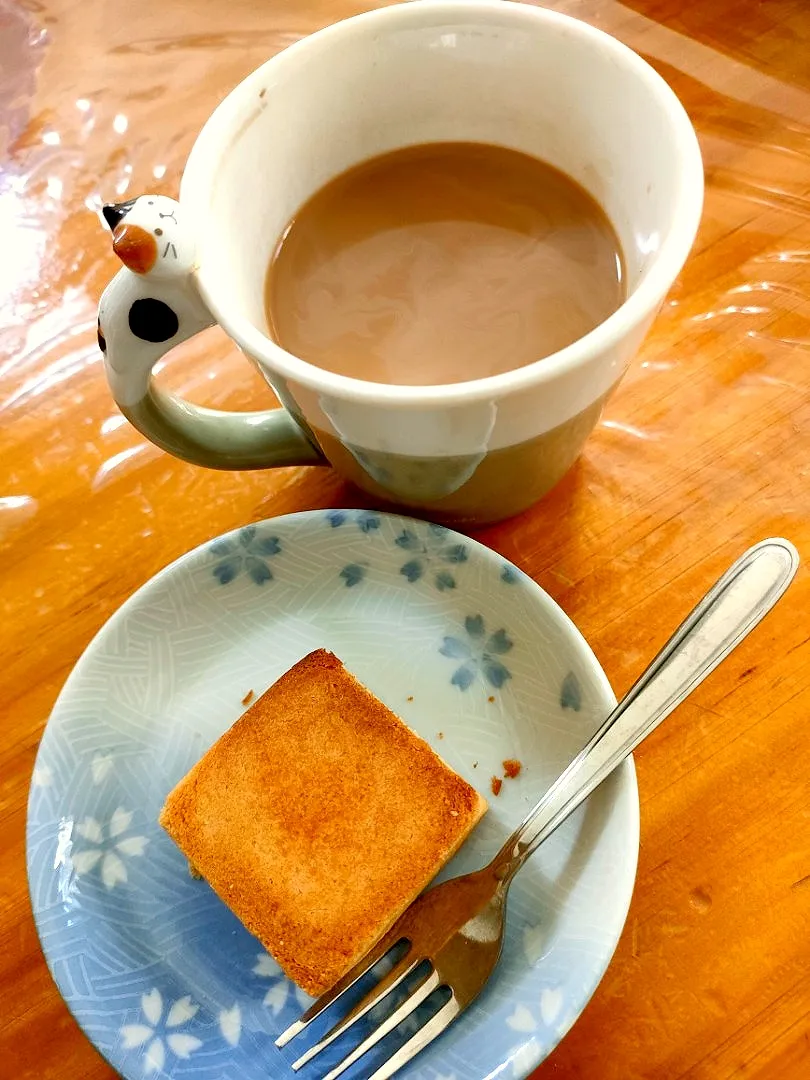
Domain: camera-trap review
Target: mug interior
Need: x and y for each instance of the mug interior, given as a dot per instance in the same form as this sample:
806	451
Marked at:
492	72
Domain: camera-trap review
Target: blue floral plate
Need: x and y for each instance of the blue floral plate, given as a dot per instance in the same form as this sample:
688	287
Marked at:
461	644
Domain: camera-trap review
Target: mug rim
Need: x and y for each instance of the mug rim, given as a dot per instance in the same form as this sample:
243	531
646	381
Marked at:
235	109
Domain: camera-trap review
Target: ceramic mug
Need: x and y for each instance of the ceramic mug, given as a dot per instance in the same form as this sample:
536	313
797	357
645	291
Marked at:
469	70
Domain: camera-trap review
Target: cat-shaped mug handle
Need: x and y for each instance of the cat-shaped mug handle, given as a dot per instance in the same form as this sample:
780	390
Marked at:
151	305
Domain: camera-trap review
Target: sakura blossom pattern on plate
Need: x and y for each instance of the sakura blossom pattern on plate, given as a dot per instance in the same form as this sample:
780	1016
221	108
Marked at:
463	645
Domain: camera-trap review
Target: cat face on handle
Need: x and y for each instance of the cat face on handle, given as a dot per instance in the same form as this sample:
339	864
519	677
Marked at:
150	237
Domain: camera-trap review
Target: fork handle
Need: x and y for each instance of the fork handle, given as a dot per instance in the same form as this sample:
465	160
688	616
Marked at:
732	608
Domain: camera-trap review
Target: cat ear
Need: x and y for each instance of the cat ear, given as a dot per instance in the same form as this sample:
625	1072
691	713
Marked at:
114	213
135	247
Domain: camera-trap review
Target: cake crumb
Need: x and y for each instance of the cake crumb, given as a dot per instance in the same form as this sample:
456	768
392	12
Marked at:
409	697
475	764
440	735
511	768
249	696
491	698
496	784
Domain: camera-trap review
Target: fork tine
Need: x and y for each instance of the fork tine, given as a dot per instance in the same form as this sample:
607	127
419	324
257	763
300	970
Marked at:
424	990
377	952
423	1037
388	983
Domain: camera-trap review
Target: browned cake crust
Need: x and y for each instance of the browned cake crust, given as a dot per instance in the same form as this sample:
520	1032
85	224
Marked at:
318	817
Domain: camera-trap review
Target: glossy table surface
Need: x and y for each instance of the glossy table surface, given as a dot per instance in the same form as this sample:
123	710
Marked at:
704	449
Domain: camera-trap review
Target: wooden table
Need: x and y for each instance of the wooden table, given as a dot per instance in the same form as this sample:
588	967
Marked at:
704	449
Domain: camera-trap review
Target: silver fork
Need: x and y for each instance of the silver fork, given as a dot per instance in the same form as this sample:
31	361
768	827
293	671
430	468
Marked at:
457	927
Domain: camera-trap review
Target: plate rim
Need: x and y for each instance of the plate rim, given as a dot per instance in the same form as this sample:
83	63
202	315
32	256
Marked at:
627	771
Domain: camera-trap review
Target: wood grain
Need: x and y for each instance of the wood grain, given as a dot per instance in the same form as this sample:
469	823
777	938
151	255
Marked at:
704	449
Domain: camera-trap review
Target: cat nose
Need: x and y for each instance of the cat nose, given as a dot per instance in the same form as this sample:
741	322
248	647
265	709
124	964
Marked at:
114	212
